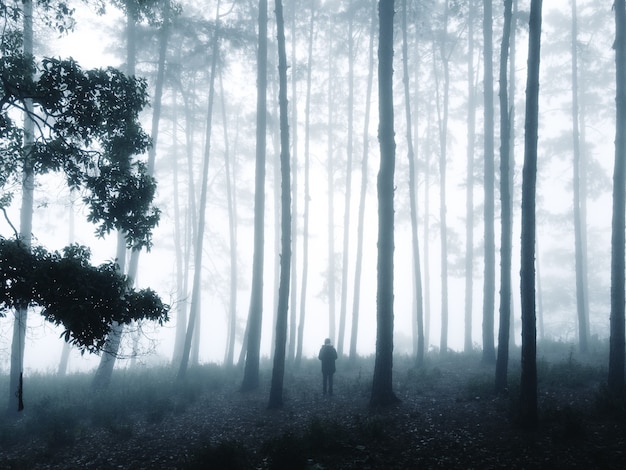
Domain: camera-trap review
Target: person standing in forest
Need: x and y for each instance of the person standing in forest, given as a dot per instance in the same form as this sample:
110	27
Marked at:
328	356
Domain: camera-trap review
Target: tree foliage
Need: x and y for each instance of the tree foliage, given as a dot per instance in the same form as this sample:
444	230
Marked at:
84	299
88	128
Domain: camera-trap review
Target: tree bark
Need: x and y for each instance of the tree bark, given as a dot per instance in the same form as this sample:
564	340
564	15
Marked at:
194	312
348	193
229	354
489	354
506	238
417	275
363	193
579	236
307	193
278	369
330	172
291	352
15	402
616	348
382	386
255	313
469	188
103	374
528	384
442	119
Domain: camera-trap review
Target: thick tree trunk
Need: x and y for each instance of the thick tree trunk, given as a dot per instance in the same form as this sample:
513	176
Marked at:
528	384
382	384
278	369
489	354
616	351
363	193
255	313
506	238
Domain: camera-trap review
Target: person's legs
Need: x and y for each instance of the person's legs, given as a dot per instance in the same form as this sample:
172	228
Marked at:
330	384
325	382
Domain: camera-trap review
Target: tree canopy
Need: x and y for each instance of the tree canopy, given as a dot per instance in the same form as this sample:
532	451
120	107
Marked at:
86	128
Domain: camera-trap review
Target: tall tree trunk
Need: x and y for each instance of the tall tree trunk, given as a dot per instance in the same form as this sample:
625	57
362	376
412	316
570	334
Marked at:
255	313
278	369
469	188
179	245
291	352
190	225
307	193
506	238
616	351
194	311
348	192
427	151
229	354
442	119
15	402
512	94
154	133
103	374
579	238
275	132
330	172
363	193
528	384
489	353
382	384
417	275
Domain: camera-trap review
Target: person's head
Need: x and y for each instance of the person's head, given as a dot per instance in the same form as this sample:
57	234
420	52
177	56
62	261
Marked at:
327	341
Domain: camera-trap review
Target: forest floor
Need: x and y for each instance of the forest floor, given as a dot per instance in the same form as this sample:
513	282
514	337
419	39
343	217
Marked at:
448	417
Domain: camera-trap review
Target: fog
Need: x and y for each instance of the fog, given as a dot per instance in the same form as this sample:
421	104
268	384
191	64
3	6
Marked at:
97	41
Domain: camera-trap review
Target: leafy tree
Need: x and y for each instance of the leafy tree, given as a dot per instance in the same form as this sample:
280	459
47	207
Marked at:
81	123
88	129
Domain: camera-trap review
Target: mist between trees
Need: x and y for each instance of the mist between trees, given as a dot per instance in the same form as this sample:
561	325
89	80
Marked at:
216	147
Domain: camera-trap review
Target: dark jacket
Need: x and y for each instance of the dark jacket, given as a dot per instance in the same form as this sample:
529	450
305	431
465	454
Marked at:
328	356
